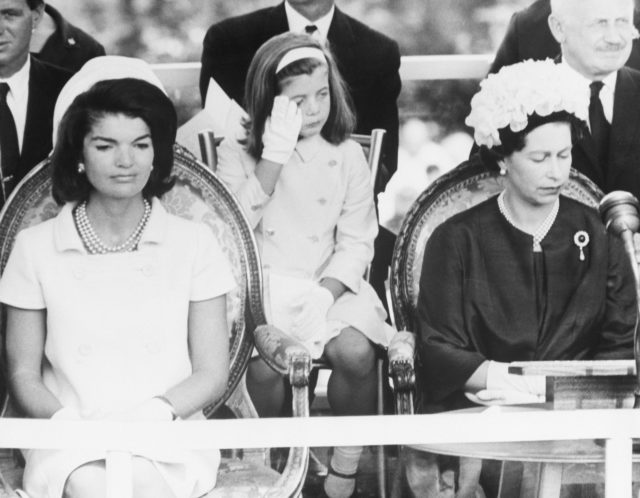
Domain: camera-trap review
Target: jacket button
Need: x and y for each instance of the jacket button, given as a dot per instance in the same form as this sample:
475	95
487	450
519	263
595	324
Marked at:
270	232
314	238
322	201
333	162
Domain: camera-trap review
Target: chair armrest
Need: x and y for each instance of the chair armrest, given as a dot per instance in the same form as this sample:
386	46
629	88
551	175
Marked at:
401	353
283	353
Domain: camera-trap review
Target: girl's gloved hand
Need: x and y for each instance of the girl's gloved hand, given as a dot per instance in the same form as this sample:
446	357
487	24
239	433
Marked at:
281	130
311	307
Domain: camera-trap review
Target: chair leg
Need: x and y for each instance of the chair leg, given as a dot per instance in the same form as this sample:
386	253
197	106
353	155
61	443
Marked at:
550	480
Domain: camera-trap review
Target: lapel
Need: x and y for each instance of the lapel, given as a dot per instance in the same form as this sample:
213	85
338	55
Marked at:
275	22
36	142
625	125
342	43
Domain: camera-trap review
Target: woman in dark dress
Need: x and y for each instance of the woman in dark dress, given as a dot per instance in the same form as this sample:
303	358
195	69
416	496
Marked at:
528	274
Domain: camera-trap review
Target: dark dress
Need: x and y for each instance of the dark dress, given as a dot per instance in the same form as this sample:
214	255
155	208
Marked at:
484	294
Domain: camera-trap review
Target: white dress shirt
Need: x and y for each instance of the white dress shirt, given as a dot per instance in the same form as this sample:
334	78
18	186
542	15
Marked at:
606	92
297	22
18	97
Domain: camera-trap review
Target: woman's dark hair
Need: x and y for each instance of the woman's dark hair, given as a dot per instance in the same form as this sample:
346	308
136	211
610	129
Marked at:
514	141
34	4
131	97
263	84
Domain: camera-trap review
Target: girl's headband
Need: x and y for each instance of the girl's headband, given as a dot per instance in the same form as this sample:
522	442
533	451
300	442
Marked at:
299	53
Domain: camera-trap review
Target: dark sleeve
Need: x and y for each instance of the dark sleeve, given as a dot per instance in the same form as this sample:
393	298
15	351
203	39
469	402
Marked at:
384	113
446	349
226	54
208	61
616	338
508	52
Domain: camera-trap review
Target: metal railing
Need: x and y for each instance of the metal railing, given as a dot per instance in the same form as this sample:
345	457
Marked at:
185	75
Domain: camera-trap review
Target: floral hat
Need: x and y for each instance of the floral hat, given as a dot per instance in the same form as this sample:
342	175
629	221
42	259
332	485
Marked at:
510	96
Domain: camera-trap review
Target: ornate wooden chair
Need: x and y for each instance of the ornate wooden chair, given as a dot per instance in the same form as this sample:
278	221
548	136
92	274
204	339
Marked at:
463	187
199	195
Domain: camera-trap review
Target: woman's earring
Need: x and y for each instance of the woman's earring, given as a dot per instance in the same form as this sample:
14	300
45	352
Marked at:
503	171
80	168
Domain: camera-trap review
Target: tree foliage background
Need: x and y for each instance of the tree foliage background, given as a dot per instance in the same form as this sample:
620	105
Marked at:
173	30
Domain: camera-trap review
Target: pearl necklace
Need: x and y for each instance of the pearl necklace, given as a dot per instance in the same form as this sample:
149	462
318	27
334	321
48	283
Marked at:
92	241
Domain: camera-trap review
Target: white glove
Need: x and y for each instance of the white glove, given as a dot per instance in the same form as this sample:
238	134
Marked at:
310	319
512	389
504	397
281	130
66	413
154	409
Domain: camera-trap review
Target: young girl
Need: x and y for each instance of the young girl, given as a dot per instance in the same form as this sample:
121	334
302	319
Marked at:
305	188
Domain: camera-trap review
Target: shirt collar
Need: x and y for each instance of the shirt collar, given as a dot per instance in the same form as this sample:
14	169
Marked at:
297	21
66	236
19	82
609	81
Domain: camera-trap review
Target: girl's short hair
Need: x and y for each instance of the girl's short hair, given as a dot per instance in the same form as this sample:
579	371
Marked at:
263	85
515	141
131	97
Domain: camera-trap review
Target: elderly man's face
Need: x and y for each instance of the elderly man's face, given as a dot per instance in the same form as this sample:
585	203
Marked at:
17	21
596	37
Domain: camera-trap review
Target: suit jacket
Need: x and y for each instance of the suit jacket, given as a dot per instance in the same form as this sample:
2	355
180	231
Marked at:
45	83
529	37
368	61
622	171
68	47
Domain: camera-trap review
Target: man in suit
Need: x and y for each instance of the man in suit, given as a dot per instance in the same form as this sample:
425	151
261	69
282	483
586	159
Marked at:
595	37
529	37
28	92
62	44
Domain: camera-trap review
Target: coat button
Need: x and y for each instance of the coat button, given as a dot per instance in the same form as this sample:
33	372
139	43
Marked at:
270	232
255	207
322	201
314	238
333	162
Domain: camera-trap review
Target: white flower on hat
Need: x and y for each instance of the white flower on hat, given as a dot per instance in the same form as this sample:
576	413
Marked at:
510	96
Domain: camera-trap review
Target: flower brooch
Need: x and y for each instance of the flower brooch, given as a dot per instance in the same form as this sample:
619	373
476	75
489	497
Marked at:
581	240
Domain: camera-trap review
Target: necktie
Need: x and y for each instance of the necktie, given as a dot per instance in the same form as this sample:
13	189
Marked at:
600	127
9	149
313	30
